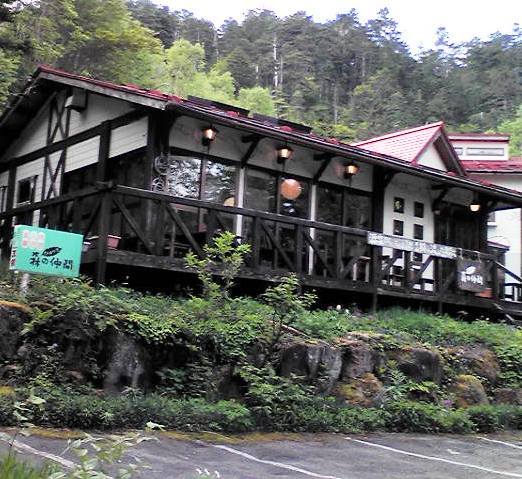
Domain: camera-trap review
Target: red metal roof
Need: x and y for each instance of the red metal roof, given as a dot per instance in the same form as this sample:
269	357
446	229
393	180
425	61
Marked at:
408	145
421	136
513	165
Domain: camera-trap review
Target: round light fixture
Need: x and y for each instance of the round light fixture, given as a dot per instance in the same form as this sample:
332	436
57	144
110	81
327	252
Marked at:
290	189
230	201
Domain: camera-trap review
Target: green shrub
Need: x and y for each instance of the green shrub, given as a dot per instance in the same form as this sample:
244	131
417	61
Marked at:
409	416
491	418
12	468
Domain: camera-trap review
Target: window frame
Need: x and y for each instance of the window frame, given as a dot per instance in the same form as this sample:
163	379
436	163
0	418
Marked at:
32	191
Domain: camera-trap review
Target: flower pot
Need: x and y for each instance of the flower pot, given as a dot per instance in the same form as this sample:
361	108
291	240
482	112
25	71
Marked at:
113	241
487	293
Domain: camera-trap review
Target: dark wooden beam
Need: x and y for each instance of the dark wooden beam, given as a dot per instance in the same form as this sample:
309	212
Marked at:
103	152
322	168
72	140
250	138
250	150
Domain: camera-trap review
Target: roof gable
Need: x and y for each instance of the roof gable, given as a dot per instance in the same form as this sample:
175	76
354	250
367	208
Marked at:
412	144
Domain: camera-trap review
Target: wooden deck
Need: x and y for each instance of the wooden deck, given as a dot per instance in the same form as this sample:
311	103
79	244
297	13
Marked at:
157	230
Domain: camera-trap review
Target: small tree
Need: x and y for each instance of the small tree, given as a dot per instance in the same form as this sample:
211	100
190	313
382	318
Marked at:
223	258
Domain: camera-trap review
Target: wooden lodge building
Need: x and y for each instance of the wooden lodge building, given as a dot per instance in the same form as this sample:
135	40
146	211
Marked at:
147	177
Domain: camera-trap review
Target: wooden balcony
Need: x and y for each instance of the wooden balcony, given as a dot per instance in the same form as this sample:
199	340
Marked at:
157	230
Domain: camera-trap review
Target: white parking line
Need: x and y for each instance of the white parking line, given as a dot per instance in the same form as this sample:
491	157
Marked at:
20	446
434	458
501	442
273	463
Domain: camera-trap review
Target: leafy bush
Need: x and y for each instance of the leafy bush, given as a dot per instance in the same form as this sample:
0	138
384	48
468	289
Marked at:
12	468
409	416
67	409
491	418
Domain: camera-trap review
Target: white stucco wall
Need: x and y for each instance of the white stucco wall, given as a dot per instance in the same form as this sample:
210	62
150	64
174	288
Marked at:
411	189
431	158
465	144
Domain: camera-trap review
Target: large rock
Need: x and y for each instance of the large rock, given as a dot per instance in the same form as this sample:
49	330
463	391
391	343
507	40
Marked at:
468	391
12	318
359	358
319	363
127	366
508	396
420	364
365	391
478	361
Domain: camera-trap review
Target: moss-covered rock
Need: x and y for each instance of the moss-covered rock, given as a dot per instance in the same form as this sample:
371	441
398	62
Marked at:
478	361
12	318
468	391
420	364
508	396
364	391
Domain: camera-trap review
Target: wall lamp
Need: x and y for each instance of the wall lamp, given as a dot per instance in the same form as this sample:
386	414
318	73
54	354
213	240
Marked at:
350	170
474	206
209	135
284	153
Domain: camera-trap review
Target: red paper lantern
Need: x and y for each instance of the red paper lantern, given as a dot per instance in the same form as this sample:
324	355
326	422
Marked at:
291	189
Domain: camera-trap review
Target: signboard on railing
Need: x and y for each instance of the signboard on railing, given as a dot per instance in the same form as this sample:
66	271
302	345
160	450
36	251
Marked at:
43	251
415	246
470	275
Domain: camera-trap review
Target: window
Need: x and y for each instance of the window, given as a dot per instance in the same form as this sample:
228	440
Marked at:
417	257
485	151
357	210
398	205
26	189
418	209
398	227
191	177
260	191
418	232
343	206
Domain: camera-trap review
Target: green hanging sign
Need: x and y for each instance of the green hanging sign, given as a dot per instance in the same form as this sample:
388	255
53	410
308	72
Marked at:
43	251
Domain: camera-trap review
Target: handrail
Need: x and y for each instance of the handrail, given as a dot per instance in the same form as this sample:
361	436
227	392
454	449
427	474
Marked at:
507	271
153	195
91	190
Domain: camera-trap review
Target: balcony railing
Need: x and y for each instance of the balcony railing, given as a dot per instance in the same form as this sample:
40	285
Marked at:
160	225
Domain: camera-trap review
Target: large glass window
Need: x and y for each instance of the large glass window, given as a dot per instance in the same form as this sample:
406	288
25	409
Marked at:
196	178
343	206
357	210
329	205
260	191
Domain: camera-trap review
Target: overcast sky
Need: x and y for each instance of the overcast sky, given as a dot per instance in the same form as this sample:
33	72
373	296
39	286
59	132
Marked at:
418	19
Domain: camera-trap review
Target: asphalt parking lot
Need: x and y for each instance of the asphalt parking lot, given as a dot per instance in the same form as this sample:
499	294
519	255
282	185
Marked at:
329	456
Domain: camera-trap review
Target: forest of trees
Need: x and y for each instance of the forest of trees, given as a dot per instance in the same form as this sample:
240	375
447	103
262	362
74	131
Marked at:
346	78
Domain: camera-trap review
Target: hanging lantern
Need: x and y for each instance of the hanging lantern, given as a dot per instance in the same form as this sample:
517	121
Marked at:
350	170
284	153
209	135
474	206
290	189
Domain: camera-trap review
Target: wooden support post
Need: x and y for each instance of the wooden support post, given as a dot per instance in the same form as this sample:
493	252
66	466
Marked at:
256	242
338	255
407	271
103	152
299	253
379	183
103	232
439	284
